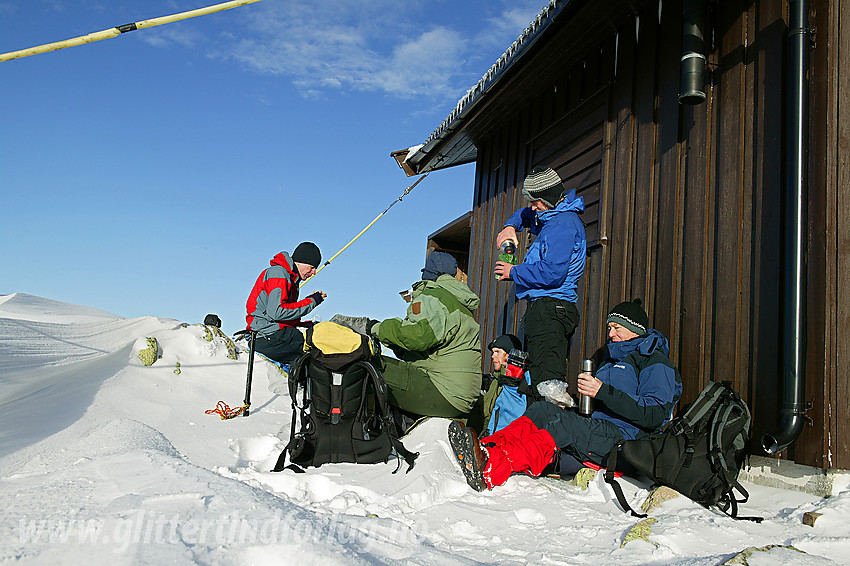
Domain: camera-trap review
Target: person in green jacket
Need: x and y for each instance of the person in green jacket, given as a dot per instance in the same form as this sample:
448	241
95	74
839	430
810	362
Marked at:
438	370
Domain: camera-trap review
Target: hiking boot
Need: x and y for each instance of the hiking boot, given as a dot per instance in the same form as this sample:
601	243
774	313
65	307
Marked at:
471	456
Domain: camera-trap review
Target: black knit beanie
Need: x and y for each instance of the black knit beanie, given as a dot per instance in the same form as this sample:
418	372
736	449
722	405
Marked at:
543	184
307	252
631	315
506	342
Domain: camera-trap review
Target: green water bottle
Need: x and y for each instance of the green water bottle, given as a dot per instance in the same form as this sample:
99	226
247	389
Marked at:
507	253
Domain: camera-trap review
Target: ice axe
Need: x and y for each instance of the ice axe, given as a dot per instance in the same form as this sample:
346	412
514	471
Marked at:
252	340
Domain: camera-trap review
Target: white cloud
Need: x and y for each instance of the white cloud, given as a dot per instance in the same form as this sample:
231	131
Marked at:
171	34
342	57
378	45
505	27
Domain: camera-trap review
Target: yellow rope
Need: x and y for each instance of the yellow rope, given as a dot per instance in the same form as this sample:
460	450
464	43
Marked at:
116	31
404	194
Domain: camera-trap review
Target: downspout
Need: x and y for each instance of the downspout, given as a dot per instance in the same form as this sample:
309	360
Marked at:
793	379
692	65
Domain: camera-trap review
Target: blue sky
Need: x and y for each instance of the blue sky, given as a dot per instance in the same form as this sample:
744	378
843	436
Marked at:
157	173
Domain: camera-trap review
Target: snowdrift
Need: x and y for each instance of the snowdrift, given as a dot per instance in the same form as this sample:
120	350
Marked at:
106	460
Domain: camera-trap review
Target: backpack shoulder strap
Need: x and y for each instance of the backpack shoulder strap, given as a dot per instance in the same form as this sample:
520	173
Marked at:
718	460
386	417
294	379
610	480
701	406
715	436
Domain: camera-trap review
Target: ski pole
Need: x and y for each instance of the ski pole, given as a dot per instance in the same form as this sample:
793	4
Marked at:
118	30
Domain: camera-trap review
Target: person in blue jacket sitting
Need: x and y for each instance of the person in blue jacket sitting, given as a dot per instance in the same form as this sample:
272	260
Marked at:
548	276
511	383
635	390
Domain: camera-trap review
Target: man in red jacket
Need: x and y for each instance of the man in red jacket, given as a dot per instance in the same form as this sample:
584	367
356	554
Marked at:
274	310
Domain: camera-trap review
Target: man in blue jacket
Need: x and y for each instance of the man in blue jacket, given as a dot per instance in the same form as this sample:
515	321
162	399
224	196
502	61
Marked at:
548	276
635	390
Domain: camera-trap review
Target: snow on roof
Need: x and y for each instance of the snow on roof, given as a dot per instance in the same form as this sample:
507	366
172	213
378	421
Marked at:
513	52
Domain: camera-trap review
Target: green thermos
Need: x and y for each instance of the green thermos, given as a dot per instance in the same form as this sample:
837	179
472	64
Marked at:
507	253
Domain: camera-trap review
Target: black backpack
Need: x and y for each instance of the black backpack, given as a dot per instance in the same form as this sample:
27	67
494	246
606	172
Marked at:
343	412
699	453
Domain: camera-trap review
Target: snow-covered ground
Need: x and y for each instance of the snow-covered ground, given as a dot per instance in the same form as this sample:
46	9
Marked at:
107	461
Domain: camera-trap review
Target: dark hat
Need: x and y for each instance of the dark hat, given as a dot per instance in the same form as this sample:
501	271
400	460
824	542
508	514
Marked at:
543	184
506	342
212	320
439	263
307	252
631	315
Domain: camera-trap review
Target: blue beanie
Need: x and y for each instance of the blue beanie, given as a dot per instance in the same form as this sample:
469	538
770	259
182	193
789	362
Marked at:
439	263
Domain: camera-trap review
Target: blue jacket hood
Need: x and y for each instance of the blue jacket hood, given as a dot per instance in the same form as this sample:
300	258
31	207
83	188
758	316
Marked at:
645	344
570	203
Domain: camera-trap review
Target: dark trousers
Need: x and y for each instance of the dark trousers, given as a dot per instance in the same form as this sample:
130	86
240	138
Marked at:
285	345
549	323
582	437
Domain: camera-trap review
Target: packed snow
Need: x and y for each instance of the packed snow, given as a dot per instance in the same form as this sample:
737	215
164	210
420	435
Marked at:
107	461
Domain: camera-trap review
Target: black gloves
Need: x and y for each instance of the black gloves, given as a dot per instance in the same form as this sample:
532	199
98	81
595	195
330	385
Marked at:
317	297
371	324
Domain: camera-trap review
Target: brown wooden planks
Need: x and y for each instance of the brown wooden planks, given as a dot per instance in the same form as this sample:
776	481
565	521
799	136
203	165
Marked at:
684	204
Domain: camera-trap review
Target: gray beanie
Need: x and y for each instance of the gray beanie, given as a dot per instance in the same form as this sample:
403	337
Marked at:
543	184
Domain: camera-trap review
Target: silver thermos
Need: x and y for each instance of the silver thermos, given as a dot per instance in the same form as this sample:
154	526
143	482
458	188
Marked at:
585	402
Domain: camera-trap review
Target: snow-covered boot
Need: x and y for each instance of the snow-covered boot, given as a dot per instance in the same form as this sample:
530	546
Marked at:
471	456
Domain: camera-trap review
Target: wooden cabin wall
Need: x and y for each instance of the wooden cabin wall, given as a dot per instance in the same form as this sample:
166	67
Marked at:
829	229
685	203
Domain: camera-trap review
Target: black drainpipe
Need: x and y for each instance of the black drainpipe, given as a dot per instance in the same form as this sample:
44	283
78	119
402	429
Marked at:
793	414
692	66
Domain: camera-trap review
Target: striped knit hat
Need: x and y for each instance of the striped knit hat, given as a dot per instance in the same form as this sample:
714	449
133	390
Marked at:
631	315
543	184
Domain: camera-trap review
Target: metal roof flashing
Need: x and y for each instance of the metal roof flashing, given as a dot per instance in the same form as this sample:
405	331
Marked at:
427	156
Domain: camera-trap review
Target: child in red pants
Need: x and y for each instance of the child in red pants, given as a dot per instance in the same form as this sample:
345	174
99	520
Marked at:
519	447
